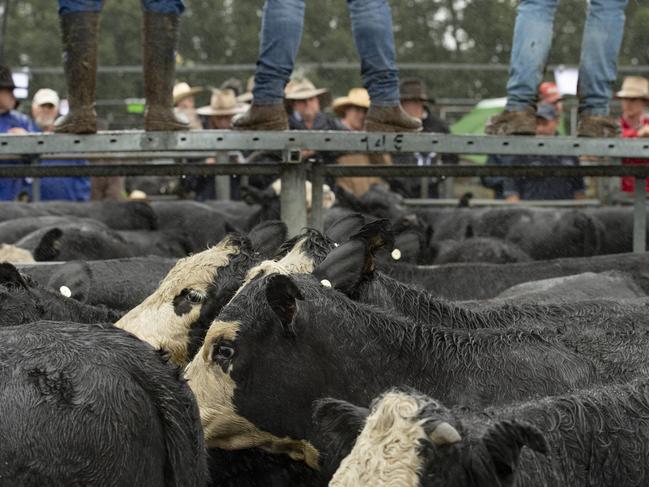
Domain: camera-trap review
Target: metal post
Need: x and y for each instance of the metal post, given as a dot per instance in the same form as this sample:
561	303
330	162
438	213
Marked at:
640	216
3	30
293	195
36	185
222	183
317	180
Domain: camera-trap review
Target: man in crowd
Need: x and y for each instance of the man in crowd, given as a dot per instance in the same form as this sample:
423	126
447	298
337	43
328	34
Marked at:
80	35
11	122
547	188
634	97
45	110
415	102
306	103
352	110
598	67
185	104
281	32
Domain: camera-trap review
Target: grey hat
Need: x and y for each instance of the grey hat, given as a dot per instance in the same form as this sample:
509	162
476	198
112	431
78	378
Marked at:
547	112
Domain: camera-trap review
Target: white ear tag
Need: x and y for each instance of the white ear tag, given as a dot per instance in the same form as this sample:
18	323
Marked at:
336	244
396	254
65	290
325	283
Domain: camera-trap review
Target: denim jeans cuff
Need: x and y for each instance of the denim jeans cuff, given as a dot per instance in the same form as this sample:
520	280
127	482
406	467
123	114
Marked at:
386	103
268	102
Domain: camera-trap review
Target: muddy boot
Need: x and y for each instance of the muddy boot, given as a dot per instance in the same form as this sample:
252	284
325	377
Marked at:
262	117
390	119
160	35
80	34
513	123
597	126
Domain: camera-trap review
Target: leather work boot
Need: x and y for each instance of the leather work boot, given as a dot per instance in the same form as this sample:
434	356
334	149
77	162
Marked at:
262	117
513	123
80	31
390	119
597	126
160	35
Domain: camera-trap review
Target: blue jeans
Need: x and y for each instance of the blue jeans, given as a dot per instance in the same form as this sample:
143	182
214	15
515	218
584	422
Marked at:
160	6
599	52
281	32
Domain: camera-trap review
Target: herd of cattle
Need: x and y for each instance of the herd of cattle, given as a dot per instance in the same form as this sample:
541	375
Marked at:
193	344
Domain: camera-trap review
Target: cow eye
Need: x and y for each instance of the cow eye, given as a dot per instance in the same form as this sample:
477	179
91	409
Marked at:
223	353
194	296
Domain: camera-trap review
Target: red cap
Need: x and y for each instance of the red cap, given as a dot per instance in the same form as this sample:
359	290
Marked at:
549	92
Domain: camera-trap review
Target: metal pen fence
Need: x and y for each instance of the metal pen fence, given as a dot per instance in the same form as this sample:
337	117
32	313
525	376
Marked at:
294	172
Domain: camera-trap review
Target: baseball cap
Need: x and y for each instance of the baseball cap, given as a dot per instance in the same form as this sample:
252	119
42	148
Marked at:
547	112
549	92
45	96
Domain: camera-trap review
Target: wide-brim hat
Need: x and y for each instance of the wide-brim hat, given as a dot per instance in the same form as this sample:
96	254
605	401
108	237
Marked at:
6	79
247	96
357	97
183	90
413	89
634	87
223	103
303	89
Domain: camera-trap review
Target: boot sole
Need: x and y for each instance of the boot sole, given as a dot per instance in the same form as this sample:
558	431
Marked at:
268	126
77	128
382	127
164	127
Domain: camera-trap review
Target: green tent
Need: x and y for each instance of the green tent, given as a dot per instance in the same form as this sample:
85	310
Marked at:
473	123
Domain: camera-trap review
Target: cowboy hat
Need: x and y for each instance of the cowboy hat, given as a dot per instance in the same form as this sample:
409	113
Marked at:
6	79
247	96
303	89
183	90
357	97
222	103
634	87
414	89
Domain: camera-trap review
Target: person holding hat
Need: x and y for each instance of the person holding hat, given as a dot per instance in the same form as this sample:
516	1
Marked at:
11	122
45	110
184	104
80	35
217	116
281	32
415	102
634	97
531	46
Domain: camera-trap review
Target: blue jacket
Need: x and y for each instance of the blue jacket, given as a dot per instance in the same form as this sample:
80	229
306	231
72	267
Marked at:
11	188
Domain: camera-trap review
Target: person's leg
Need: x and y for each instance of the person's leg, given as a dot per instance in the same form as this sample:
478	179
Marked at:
281	33
598	67
372	30
80	30
530	48
159	39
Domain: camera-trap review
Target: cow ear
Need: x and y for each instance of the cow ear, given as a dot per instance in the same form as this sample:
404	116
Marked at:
340	230
504	442
377	235
72	280
344	267
49	246
10	277
267	237
281	294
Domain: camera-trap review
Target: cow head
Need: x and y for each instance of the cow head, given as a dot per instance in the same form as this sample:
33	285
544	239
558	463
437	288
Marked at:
176	316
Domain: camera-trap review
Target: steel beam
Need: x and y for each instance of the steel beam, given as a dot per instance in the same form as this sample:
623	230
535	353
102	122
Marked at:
317	180
640	216
293	196
182	143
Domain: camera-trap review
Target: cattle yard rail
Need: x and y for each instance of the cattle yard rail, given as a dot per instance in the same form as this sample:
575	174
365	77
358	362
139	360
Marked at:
134	145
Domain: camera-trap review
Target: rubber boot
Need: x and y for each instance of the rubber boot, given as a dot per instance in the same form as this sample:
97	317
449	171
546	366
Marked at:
80	32
160	35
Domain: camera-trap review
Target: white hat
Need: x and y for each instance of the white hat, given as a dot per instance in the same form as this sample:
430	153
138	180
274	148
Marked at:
46	96
634	87
223	103
183	90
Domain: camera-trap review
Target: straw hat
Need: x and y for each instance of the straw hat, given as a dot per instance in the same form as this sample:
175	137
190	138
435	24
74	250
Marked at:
303	89
357	97
634	87
223	103
183	90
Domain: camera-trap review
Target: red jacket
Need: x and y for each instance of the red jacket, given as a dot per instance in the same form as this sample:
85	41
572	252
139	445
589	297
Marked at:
628	132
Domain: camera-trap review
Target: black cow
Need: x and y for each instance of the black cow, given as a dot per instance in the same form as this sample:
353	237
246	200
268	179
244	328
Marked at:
22	301
86	405
13	230
283	342
595	437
